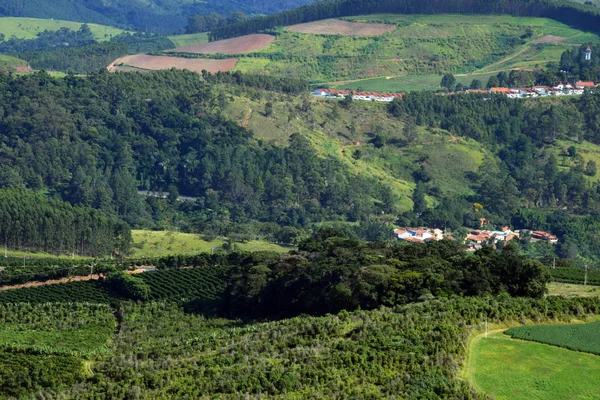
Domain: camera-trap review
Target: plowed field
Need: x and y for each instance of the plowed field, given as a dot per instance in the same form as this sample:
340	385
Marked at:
242	44
164	62
339	27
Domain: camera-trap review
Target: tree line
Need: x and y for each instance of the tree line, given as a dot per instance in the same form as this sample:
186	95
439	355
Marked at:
32	220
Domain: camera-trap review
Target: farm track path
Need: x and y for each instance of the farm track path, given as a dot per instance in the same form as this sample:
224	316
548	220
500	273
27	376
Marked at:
93	277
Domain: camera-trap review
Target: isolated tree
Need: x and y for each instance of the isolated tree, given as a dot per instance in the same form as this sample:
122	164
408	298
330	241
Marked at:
410	131
418	198
476	84
590	168
347	101
448	81
493	82
268	109
572	151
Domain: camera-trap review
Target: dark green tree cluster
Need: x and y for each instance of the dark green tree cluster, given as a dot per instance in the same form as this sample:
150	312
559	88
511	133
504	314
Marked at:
208	22
574	62
50	40
29	220
331	273
570	13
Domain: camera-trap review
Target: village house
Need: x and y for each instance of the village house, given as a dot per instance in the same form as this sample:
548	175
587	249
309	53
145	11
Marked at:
419	235
367	96
541	235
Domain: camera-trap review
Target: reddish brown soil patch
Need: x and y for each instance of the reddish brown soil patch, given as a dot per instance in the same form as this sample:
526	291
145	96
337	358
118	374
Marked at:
550	39
339	27
242	44
22	68
94	277
164	62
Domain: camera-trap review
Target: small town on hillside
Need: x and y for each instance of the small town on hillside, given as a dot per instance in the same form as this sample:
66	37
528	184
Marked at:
561	89
475	238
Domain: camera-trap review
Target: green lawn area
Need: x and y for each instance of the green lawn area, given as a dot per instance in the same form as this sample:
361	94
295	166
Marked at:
28	28
162	243
192	39
510	369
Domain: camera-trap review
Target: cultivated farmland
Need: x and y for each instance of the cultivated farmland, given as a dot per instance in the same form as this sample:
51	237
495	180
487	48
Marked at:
242	44
340	27
582	337
154	63
511	369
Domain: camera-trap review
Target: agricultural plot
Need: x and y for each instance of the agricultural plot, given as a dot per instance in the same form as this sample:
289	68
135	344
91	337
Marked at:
575	275
579	337
192	283
192	39
341	27
155	63
84	291
511	369
242	44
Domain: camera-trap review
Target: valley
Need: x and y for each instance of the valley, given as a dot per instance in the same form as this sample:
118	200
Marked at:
332	200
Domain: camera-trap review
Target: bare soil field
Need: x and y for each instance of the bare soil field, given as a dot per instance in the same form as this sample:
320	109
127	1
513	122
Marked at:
155	63
242	44
552	39
339	27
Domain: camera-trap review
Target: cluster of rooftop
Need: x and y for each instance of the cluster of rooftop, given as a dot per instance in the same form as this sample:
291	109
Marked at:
369	96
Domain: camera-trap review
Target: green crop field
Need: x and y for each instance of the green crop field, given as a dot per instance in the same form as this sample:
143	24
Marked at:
192	39
28	28
583	337
510	369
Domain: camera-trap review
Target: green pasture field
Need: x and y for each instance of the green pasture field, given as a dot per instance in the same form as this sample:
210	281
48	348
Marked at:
163	243
510	369
28	28
191	39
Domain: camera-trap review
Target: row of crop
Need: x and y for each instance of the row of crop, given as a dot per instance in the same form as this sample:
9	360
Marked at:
79	291
575	275
189	283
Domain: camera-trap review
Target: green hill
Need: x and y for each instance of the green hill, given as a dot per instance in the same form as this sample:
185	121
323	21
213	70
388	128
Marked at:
28	28
408	52
8	63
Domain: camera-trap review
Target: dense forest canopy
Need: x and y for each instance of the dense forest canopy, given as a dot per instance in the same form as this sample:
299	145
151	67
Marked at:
581	16
94	141
166	16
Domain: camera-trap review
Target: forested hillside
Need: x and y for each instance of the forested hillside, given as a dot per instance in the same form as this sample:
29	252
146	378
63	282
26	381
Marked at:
160	16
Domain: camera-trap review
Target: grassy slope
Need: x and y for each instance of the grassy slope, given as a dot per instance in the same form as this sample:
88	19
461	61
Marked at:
448	157
514	369
162	243
422	47
27	28
192	39
8	63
